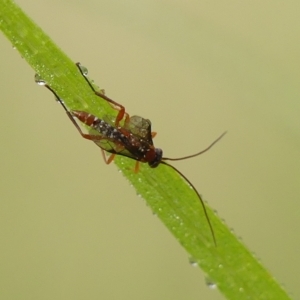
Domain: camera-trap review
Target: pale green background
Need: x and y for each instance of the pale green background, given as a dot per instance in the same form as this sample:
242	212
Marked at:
72	227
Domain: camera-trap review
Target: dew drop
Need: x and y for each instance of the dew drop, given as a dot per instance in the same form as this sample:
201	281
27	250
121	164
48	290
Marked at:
193	262
211	285
38	79
84	70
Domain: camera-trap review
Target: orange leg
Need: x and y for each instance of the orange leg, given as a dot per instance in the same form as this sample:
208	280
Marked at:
109	159
84	135
90	137
137	167
114	104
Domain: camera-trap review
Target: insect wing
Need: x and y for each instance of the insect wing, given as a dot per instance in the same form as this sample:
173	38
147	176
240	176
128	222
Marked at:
140	127
111	145
132	139
116	148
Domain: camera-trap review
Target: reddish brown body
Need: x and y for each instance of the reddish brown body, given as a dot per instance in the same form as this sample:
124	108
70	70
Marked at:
121	140
133	139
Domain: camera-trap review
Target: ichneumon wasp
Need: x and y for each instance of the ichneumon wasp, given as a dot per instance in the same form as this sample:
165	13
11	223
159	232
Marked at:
133	139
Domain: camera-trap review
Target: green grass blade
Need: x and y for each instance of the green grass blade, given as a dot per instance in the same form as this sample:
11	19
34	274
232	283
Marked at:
237	274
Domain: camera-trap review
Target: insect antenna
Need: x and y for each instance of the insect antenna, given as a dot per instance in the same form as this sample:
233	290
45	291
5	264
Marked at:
201	152
201	201
189	182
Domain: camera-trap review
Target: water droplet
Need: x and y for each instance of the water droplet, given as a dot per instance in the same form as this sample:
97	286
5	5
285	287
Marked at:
193	262
220	266
241	290
84	70
212	285
39	80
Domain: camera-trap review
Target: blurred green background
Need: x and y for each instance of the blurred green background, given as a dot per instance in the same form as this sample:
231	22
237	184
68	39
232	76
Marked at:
72	227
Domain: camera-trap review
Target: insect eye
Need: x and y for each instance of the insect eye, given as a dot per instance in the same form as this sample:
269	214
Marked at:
157	159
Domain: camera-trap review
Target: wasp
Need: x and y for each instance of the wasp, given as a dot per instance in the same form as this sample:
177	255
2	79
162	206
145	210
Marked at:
132	137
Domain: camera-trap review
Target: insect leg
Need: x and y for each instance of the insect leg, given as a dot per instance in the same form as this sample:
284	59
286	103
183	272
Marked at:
84	135
109	159
137	167
114	104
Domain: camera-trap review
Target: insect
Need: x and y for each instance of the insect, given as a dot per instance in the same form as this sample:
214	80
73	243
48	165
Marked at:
133	139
